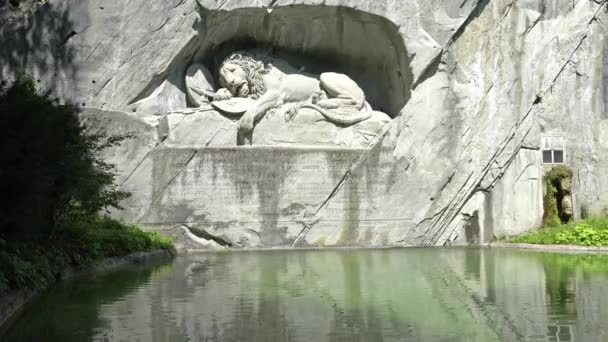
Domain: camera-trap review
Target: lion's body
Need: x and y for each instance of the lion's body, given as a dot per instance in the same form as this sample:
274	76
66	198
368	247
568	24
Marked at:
296	88
335	96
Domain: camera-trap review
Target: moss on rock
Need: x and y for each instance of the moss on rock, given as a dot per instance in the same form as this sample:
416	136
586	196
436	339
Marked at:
557	203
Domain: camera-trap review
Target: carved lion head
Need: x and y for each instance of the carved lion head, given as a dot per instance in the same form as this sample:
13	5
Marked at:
242	74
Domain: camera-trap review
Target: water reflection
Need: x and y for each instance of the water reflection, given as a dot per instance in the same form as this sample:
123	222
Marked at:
383	295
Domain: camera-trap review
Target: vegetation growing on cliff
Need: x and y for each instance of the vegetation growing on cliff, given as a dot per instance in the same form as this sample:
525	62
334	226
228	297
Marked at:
55	183
557	203
558	229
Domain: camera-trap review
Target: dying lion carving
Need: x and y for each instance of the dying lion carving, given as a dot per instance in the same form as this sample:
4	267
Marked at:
335	96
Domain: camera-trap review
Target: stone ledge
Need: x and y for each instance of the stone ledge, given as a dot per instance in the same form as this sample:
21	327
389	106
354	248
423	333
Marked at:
263	197
12	304
551	248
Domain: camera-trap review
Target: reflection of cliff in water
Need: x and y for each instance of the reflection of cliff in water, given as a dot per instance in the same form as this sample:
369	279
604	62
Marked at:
381	295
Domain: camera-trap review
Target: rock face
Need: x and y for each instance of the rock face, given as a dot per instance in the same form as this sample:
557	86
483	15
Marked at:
469	88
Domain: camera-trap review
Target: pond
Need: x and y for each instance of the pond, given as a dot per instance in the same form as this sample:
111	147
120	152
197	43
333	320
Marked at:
451	294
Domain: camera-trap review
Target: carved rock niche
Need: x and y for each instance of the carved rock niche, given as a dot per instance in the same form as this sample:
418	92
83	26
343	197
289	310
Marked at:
345	51
366	47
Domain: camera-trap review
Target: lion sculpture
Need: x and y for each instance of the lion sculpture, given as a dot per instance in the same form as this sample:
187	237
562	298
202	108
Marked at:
335	96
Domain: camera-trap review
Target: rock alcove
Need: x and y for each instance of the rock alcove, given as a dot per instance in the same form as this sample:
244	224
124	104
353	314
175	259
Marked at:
366	47
309	40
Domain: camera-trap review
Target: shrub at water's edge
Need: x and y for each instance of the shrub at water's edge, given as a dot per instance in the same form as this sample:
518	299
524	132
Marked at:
588	232
55	183
36	262
52	168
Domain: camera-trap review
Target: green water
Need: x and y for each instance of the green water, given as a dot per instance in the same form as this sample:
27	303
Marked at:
363	295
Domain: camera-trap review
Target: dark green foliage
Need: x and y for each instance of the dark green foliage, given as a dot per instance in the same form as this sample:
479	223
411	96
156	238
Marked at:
36	263
50	165
105	237
554	194
54	184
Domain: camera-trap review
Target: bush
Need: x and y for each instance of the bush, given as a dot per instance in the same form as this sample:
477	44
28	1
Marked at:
51	165
36	263
589	232
57	183
105	237
583	234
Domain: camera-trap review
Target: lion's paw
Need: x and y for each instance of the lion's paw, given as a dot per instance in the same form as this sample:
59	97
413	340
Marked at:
222	94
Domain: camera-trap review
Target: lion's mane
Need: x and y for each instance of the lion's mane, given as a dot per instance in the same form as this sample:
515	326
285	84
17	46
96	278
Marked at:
254	68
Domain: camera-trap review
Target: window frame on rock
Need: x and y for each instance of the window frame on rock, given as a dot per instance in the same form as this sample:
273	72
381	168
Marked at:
553	149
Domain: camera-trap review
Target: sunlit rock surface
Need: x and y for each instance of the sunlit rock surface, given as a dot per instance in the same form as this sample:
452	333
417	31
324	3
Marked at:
470	88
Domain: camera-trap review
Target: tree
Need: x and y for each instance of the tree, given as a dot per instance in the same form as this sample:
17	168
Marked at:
51	170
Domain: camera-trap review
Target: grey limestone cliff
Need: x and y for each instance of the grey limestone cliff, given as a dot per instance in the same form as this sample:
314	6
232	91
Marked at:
469	92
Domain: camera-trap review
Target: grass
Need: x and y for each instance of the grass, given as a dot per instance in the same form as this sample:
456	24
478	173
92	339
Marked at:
38	262
587	232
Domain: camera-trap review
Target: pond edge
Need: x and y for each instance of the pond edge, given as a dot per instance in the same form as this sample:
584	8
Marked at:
12	304
551	248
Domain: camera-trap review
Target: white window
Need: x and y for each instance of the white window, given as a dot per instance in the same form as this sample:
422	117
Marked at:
554	149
